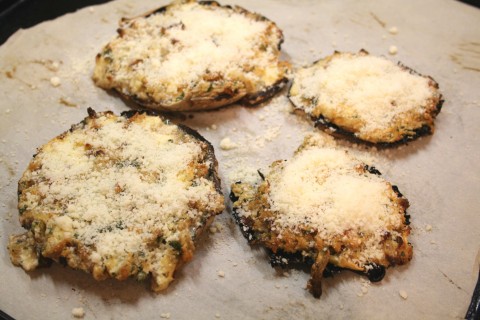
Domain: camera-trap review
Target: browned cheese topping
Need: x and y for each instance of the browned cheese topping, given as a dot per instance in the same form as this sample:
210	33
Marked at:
370	97
326	205
118	196
192	56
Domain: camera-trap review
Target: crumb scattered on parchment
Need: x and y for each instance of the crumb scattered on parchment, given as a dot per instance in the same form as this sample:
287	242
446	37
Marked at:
393	30
55	81
78	312
218	226
67	102
10	73
51	65
165	315
403	294
227	144
212	127
393	50
365	285
428	227
54	66
221	274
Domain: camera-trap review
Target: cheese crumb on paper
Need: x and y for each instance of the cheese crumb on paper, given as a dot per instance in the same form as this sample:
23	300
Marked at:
393	50
403	294
78	312
227	144
393	30
55	81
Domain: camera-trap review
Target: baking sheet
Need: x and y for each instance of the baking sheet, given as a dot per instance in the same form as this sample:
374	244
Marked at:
439	174
16	14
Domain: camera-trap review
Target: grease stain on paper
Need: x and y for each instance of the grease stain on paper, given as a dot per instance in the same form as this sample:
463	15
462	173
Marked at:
467	56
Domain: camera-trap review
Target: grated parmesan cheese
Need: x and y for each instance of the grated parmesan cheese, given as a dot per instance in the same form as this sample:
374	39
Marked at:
55	81
322	188
227	144
393	30
367	95
366	84
126	191
393	50
78	312
167	57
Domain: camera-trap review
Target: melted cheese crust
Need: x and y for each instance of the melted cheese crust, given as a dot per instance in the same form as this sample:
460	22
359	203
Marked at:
117	197
324	200
191	55
373	98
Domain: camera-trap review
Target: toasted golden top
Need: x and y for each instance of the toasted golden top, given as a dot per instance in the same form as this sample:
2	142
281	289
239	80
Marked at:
325	200
118	196
190	55
371	97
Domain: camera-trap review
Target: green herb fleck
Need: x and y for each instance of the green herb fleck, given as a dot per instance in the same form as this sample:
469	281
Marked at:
119	225
210	87
107	54
128	163
181	96
22	210
141	276
176	245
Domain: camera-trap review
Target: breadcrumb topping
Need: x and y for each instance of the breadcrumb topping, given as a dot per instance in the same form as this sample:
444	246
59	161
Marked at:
117	197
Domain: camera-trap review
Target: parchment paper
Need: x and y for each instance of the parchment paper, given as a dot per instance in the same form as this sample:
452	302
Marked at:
439	174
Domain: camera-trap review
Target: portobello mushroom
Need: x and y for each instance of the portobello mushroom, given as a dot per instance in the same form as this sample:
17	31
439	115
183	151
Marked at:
191	56
368	98
118	197
326	210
